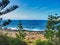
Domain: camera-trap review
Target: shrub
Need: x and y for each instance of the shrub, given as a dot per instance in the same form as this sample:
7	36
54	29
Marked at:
51	42
40	42
20	36
15	41
44	42
3	40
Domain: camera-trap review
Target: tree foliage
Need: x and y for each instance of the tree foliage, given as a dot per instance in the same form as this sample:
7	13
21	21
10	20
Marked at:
21	34
3	4
53	28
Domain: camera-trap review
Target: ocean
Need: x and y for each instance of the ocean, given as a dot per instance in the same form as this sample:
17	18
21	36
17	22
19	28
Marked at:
31	25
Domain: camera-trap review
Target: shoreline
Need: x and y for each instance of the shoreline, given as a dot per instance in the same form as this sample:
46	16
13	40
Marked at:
29	34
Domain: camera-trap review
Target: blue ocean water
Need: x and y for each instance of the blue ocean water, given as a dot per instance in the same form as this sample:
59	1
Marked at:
31	25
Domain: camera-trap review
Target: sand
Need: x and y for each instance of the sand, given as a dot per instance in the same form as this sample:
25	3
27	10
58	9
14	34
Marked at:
30	35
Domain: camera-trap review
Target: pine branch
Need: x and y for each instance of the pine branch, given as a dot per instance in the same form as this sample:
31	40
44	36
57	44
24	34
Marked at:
3	4
6	23
12	8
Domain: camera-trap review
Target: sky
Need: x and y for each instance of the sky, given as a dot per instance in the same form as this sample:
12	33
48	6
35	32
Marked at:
32	9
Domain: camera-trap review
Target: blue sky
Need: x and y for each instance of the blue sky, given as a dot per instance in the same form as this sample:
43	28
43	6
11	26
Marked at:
33	9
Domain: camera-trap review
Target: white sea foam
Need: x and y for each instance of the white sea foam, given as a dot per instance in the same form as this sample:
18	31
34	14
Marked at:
25	29
33	29
12	28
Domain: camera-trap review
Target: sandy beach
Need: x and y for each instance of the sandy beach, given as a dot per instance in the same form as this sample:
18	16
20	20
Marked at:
30	35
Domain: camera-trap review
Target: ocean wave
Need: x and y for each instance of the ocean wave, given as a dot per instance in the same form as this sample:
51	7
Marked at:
12	28
33	29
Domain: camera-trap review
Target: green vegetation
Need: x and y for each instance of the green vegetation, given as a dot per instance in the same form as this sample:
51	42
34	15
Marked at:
52	31
5	40
40	42
15	41
21	34
43	42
